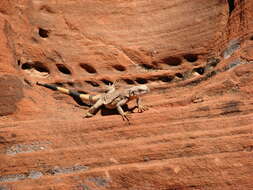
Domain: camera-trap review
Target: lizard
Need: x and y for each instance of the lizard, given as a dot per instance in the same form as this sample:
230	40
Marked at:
111	99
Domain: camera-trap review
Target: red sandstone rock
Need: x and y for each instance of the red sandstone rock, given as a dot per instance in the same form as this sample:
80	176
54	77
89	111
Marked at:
196	56
11	92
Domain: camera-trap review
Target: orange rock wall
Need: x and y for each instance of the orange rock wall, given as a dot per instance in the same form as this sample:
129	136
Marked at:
196	57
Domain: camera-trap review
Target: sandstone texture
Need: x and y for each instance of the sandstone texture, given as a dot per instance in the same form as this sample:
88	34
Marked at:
11	92
196	57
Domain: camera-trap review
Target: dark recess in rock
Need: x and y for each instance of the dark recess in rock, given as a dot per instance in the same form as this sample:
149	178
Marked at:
60	84
26	66
231	4
147	66
119	68
43	33
179	75
199	70
129	81
191	57
107	82
39	66
141	80
92	83
63	69
82	92
88	68
165	78
71	84
172	61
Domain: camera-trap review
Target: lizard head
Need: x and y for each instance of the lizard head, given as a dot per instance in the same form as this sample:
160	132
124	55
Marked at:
139	90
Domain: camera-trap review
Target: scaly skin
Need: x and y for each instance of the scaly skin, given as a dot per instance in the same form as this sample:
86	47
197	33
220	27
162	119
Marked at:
113	98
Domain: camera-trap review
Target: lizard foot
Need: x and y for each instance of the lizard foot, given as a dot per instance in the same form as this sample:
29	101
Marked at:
126	117
142	109
87	115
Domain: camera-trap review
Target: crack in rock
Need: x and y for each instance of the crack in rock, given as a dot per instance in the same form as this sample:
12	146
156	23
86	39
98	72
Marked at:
57	170
232	46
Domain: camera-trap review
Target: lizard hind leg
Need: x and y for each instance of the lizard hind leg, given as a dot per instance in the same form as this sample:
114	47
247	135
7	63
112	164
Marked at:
92	111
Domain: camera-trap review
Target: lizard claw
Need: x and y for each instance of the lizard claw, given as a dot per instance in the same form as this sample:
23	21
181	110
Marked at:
142	109
126	117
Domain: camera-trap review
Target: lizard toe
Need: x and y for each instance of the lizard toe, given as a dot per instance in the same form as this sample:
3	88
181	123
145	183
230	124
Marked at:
126	117
142	109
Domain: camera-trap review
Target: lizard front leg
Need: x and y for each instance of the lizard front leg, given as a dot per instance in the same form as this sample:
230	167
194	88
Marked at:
94	109
121	112
139	106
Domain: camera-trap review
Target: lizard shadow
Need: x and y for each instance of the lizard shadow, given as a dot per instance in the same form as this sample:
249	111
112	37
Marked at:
79	101
105	111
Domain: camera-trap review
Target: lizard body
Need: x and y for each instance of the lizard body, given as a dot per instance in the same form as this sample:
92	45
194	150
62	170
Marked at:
113	98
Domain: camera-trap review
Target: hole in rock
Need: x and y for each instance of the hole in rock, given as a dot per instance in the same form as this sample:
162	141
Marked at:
71	84
62	68
191	57
60	84
179	75
35	65
172	61
107	82
165	78
43	33
26	66
147	66
231	4
119	67
129	81
18	62
88	68
92	83
251	38
199	70
141	80
82	92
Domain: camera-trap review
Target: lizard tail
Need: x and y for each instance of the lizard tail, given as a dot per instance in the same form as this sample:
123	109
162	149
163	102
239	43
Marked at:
85	97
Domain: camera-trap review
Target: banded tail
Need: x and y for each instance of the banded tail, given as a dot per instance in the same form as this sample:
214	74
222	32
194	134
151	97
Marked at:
86	97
